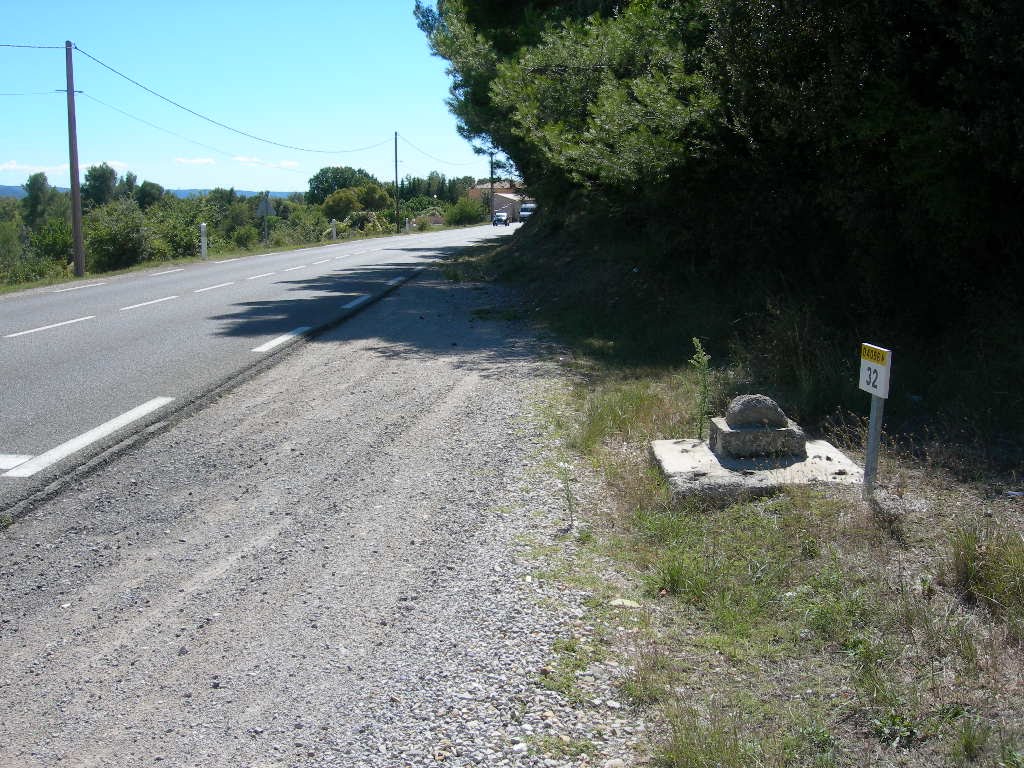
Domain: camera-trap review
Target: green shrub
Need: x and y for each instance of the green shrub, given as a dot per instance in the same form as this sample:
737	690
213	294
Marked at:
52	241
465	211
988	567
115	237
245	236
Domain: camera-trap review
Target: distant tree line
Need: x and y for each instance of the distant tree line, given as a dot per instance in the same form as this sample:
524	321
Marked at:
126	222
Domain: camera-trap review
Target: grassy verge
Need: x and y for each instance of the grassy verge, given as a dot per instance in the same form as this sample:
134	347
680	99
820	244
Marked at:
806	629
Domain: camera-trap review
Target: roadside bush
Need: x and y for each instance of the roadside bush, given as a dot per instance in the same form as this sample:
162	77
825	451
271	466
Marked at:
52	241
10	243
115	237
465	211
245	237
174	230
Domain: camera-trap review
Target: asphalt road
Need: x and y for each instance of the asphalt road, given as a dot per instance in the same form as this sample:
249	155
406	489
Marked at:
83	364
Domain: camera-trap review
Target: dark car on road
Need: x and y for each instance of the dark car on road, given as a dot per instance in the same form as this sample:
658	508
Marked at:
500	218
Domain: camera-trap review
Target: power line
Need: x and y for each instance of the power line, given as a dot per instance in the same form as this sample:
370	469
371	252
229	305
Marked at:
157	127
222	125
12	45
179	136
427	154
32	93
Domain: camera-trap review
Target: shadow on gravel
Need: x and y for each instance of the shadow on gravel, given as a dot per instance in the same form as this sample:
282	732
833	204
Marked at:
431	317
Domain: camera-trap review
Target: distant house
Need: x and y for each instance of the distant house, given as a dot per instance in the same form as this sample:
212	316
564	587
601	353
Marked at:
508	196
483	190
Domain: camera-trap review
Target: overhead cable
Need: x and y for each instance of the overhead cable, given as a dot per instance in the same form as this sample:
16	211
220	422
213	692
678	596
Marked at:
222	125
438	159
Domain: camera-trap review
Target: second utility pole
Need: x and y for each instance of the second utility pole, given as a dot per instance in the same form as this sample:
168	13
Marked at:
398	220
78	249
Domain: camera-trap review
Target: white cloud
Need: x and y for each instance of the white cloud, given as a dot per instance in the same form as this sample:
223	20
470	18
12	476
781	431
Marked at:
15	167
195	160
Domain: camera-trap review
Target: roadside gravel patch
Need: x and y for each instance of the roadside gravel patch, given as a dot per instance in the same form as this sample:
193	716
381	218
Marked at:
326	566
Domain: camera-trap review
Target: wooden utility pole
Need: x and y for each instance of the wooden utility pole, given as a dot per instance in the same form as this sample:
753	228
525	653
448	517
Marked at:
78	248
398	220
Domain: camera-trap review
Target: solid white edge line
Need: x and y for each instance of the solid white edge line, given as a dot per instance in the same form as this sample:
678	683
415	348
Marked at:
224	261
168	272
52	456
77	287
147	303
48	327
281	339
265	274
11	460
211	287
356	302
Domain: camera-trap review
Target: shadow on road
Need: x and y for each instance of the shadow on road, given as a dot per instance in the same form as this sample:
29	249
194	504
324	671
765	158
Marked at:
429	316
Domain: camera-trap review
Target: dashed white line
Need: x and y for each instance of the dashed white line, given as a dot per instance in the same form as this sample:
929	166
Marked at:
281	339
356	302
168	272
257	277
211	287
322	261
48	327
147	303
292	269
52	456
78	287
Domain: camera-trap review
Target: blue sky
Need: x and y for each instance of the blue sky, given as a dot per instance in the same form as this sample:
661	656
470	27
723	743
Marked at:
318	75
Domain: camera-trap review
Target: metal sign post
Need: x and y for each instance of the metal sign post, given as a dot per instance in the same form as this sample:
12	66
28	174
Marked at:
874	379
202	241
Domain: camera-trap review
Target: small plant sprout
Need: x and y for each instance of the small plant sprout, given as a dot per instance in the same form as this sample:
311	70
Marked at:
565	472
701	363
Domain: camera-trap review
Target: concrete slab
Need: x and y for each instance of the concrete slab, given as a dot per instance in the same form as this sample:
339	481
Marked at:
691	468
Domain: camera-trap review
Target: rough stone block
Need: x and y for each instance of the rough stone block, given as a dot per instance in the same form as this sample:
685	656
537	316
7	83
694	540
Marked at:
751	441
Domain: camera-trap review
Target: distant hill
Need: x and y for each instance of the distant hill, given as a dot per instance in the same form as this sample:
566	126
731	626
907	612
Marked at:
18	193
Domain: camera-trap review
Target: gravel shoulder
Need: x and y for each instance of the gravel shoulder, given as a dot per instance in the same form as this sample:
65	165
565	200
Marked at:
332	564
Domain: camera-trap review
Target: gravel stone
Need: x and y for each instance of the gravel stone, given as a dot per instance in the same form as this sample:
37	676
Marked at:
326	566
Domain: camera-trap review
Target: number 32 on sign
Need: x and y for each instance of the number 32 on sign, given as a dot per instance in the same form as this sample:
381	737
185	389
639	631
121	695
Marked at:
874	370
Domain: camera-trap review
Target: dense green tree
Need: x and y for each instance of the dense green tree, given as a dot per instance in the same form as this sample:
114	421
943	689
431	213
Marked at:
373	197
99	186
148	193
38	199
115	236
127	185
341	203
328	180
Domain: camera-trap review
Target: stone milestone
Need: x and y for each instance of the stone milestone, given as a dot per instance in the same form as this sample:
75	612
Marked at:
755	426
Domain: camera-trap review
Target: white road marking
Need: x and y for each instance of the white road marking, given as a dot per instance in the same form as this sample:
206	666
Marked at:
11	460
226	261
168	271
257	277
292	269
77	287
356	302
395	281
52	456
322	261
281	339
48	327
147	303
211	287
